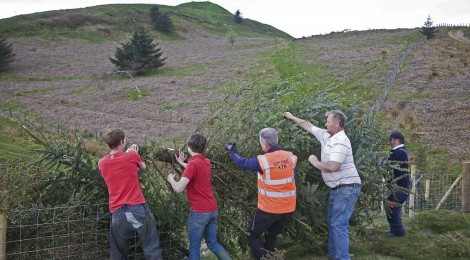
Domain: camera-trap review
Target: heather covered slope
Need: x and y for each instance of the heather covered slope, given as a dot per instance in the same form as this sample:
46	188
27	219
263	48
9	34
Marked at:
62	75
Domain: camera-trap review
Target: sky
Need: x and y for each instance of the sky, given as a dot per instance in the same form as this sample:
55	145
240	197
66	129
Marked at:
297	17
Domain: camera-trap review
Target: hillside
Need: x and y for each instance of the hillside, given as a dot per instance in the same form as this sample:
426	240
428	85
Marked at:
62	75
112	22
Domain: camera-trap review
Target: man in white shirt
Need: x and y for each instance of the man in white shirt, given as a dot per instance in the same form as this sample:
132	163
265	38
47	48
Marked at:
339	173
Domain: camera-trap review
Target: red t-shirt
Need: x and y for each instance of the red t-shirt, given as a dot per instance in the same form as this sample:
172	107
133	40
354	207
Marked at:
119	171
199	189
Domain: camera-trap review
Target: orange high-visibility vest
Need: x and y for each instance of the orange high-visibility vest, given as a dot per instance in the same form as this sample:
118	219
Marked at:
276	184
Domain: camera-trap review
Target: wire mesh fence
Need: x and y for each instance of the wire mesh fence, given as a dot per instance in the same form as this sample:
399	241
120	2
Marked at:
72	232
430	191
393	74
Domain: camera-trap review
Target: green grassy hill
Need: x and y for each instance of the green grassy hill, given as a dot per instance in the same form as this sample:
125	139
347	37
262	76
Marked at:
112	21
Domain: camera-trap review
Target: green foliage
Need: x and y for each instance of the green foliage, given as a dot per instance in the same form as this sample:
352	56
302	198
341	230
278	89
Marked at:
117	20
441	221
139	55
6	53
433	234
14	142
231	36
133	94
173	106
237	17
260	107
428	29
161	21
19	185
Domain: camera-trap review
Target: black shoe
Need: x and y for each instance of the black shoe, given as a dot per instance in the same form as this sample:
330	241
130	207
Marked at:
390	234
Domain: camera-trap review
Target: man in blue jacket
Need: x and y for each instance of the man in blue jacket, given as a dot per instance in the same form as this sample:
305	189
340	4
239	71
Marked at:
276	191
399	184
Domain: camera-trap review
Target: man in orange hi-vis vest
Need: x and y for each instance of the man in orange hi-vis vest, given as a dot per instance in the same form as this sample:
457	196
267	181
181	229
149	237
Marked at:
276	190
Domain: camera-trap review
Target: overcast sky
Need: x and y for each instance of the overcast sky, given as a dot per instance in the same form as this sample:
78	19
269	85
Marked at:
298	17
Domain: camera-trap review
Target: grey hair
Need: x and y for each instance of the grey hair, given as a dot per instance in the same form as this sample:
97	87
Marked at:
269	136
338	116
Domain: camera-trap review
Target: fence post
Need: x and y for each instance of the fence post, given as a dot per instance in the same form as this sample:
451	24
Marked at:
3	236
411	212
426	191
452	187
466	186
3	224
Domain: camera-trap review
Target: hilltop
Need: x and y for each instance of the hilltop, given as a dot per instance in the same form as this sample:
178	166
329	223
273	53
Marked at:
114	21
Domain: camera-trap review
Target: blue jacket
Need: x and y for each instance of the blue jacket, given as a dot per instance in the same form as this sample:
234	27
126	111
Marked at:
251	164
398	161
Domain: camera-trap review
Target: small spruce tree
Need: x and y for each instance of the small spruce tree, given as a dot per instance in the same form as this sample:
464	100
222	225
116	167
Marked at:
161	21
231	36
6	53
428	29
139	55
154	13
238	17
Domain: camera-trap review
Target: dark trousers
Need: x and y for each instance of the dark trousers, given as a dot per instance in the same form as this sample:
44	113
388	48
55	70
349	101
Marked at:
271	225
395	222
138	218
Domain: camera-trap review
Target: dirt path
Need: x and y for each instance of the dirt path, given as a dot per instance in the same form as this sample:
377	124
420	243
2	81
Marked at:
459	36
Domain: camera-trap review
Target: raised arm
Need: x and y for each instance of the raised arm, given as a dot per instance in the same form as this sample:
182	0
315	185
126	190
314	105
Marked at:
135	148
305	125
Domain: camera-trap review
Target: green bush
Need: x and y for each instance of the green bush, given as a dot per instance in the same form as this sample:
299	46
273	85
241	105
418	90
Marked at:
6	53
238	119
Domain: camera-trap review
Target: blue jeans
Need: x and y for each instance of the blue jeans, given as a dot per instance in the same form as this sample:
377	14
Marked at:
340	208
203	224
123	222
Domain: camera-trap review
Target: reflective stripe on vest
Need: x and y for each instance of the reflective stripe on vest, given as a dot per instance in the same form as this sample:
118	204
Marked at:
276	182
277	194
265	166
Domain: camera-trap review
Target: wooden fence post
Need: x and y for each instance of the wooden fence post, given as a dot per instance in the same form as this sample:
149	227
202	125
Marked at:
466	186
452	187
3	236
427	190
3	224
411	212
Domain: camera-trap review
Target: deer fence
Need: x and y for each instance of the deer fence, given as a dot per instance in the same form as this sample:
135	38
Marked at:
393	75
69	232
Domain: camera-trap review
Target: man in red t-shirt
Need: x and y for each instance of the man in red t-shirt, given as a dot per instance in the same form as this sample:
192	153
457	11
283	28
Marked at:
127	204
196	180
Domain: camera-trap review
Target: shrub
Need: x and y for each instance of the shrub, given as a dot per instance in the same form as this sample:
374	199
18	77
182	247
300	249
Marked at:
6	53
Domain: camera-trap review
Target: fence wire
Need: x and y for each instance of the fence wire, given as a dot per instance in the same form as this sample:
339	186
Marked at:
72	232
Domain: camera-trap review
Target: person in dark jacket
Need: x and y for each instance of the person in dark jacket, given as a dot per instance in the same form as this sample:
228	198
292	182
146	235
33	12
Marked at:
399	184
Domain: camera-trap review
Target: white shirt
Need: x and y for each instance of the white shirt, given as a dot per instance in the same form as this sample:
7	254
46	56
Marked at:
337	148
